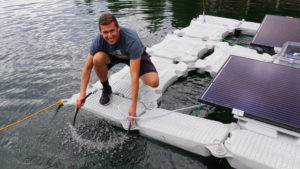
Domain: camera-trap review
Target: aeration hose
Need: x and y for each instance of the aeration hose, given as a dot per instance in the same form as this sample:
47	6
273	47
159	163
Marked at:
82	101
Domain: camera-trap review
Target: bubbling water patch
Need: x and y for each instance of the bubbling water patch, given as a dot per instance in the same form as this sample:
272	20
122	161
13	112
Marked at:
103	144
96	142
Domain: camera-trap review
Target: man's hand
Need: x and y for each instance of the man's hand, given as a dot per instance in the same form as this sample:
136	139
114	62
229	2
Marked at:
78	101
132	112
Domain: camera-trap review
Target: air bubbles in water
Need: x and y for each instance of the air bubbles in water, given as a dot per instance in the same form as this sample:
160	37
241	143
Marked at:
104	142
97	138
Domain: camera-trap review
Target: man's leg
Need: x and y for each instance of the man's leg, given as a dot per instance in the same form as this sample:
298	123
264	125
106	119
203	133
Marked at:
151	79
101	60
148	72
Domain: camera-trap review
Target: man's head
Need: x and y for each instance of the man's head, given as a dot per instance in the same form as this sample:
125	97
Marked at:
109	28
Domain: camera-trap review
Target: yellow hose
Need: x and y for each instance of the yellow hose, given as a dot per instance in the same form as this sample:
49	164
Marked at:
55	103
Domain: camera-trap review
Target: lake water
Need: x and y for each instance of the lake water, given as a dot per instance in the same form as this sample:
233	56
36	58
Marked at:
43	48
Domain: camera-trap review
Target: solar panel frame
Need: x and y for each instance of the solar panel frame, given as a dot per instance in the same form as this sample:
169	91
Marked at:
252	112
274	31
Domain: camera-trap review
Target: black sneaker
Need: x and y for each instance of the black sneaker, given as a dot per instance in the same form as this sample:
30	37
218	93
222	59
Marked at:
104	99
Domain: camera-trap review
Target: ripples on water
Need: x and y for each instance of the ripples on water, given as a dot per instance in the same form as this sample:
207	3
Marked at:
99	141
42	51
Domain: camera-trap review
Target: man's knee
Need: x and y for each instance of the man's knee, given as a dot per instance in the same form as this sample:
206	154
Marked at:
154	82
101	58
151	79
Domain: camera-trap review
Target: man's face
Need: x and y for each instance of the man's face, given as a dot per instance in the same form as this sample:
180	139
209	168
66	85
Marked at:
110	33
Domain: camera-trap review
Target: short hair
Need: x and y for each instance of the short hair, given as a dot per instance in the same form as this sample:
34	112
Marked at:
106	19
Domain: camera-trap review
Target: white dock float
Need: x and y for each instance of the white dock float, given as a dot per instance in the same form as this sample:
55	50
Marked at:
184	131
249	149
222	51
245	145
214	28
177	48
110	112
248	28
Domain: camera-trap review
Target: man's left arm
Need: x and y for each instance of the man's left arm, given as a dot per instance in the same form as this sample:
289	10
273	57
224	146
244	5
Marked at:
134	72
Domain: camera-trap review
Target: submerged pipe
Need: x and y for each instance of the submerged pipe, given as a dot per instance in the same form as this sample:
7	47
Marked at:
74	119
82	101
128	129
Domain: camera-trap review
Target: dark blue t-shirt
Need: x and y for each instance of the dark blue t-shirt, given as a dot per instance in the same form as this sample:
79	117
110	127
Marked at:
129	45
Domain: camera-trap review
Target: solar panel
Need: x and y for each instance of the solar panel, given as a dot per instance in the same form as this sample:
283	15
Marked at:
264	91
276	30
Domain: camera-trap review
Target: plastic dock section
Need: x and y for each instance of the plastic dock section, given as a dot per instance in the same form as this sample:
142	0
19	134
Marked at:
245	144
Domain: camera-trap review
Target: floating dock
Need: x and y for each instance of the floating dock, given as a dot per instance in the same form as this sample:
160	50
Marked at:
249	143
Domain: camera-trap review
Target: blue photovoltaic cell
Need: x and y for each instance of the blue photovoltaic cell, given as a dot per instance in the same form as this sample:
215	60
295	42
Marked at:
276	30
264	91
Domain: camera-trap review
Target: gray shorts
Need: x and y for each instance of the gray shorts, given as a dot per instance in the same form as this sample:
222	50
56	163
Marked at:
146	64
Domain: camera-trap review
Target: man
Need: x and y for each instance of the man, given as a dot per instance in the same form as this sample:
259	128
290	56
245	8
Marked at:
114	45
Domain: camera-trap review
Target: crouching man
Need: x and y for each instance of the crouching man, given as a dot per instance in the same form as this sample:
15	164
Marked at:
116	44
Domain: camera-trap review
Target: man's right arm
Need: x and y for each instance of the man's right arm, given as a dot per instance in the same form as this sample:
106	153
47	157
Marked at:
85	78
